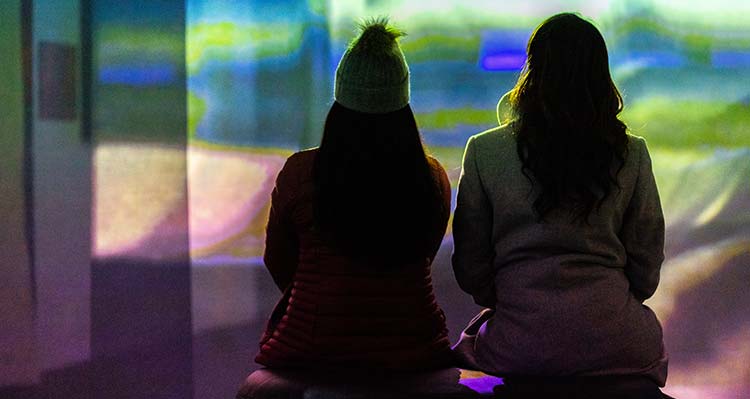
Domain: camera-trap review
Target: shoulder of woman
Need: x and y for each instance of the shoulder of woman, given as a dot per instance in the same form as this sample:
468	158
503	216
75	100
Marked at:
434	163
302	157
299	163
636	141
496	145
438	171
493	137
637	146
435	166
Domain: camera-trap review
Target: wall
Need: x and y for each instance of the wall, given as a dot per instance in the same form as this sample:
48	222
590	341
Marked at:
62	203
140	271
17	355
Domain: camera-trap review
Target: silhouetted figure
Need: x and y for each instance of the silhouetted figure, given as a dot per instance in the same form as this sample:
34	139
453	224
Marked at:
558	228
354	226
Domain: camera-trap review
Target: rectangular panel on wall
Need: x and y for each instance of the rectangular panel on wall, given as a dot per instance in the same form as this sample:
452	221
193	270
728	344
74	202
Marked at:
57	81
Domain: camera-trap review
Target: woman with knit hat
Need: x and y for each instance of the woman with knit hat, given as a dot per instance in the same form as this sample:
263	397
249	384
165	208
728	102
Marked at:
354	226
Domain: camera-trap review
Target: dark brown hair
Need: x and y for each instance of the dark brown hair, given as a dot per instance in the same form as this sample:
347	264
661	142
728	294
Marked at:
375	193
569	137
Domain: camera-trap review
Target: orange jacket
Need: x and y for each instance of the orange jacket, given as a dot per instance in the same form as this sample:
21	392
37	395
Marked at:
335	312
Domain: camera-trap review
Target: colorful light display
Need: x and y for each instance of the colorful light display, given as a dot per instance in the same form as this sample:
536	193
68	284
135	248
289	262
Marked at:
260	80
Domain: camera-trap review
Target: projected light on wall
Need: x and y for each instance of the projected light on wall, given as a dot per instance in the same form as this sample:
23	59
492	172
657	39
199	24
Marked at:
260	80
261	76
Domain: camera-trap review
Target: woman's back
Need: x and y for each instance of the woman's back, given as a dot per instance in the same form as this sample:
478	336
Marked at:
567	293
340	310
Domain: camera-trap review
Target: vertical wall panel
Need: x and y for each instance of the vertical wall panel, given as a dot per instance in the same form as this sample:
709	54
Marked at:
18	364
61	189
141	321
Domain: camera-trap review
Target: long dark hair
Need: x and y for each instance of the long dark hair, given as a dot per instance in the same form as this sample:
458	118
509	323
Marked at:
375	194
569	137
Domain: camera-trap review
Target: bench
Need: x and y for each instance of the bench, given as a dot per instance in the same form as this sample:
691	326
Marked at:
439	384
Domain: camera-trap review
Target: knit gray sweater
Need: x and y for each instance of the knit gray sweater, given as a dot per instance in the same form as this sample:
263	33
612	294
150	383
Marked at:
567	298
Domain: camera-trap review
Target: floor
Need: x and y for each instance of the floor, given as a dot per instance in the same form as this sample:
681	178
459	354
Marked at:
214	363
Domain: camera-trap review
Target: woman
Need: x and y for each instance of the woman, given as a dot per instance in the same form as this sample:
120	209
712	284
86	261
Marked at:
558	227
354	226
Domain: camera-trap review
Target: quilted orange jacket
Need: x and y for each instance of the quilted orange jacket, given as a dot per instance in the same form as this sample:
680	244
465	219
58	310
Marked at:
335	312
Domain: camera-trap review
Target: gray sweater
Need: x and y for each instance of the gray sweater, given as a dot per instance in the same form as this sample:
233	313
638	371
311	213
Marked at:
567	298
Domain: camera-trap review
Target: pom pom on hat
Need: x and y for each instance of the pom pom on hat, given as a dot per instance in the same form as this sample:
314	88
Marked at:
376	35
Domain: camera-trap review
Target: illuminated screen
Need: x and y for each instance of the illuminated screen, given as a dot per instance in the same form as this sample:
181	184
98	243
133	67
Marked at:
260	81
260	77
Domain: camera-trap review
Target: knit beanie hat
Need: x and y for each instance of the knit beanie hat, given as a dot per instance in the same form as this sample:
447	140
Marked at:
372	76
